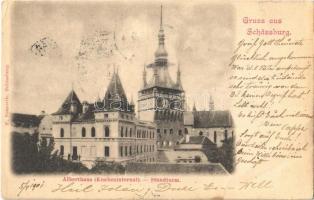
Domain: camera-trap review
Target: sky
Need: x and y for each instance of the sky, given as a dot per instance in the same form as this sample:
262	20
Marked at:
82	43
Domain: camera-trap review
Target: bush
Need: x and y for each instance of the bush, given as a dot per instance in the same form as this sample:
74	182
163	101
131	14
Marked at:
108	168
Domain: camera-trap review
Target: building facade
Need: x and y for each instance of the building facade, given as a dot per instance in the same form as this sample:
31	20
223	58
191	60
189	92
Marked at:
106	130
161	100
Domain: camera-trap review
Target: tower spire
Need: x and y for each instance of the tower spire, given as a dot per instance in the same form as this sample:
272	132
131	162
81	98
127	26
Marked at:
161	54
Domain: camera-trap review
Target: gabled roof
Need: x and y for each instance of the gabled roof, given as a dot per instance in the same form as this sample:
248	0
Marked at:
25	120
212	119
66	105
200	139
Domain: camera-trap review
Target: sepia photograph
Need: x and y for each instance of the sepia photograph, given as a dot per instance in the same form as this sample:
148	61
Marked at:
121	88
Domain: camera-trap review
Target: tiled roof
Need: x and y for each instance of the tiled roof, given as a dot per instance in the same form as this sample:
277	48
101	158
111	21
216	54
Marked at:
66	105
88	115
115	96
188	119
212	119
153	168
25	120
200	139
162	80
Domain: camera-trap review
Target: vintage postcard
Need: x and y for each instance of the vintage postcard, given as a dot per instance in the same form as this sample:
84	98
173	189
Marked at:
157	99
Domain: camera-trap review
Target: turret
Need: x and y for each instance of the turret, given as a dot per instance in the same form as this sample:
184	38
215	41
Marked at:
211	103
144	77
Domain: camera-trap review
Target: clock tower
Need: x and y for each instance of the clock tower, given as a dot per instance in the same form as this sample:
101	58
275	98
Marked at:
161	100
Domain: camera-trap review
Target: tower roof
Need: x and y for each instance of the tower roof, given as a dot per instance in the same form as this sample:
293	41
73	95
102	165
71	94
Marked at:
115	88
161	77
66	105
115	94
161	53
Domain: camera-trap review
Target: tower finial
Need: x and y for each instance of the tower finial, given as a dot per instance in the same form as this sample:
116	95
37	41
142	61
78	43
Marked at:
161	54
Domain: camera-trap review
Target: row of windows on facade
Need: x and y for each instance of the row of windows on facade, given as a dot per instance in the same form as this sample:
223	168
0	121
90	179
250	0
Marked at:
123	132
106	151
169	143
122	116
124	151
170	131
127	151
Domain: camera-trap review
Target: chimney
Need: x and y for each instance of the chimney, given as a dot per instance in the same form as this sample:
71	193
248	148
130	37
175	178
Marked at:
85	107
42	113
187	138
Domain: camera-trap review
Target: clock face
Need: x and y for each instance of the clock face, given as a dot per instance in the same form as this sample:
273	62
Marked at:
162	103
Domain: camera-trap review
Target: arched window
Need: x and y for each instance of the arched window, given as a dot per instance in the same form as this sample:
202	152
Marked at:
121	131
83	132
107	131
186	131
93	132
121	151
130	132
180	132
226	134
171	131
215	137
61	132
61	150
126	131
126	151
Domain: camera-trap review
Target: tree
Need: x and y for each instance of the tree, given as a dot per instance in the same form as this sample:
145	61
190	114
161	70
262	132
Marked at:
226	154
32	156
24	152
